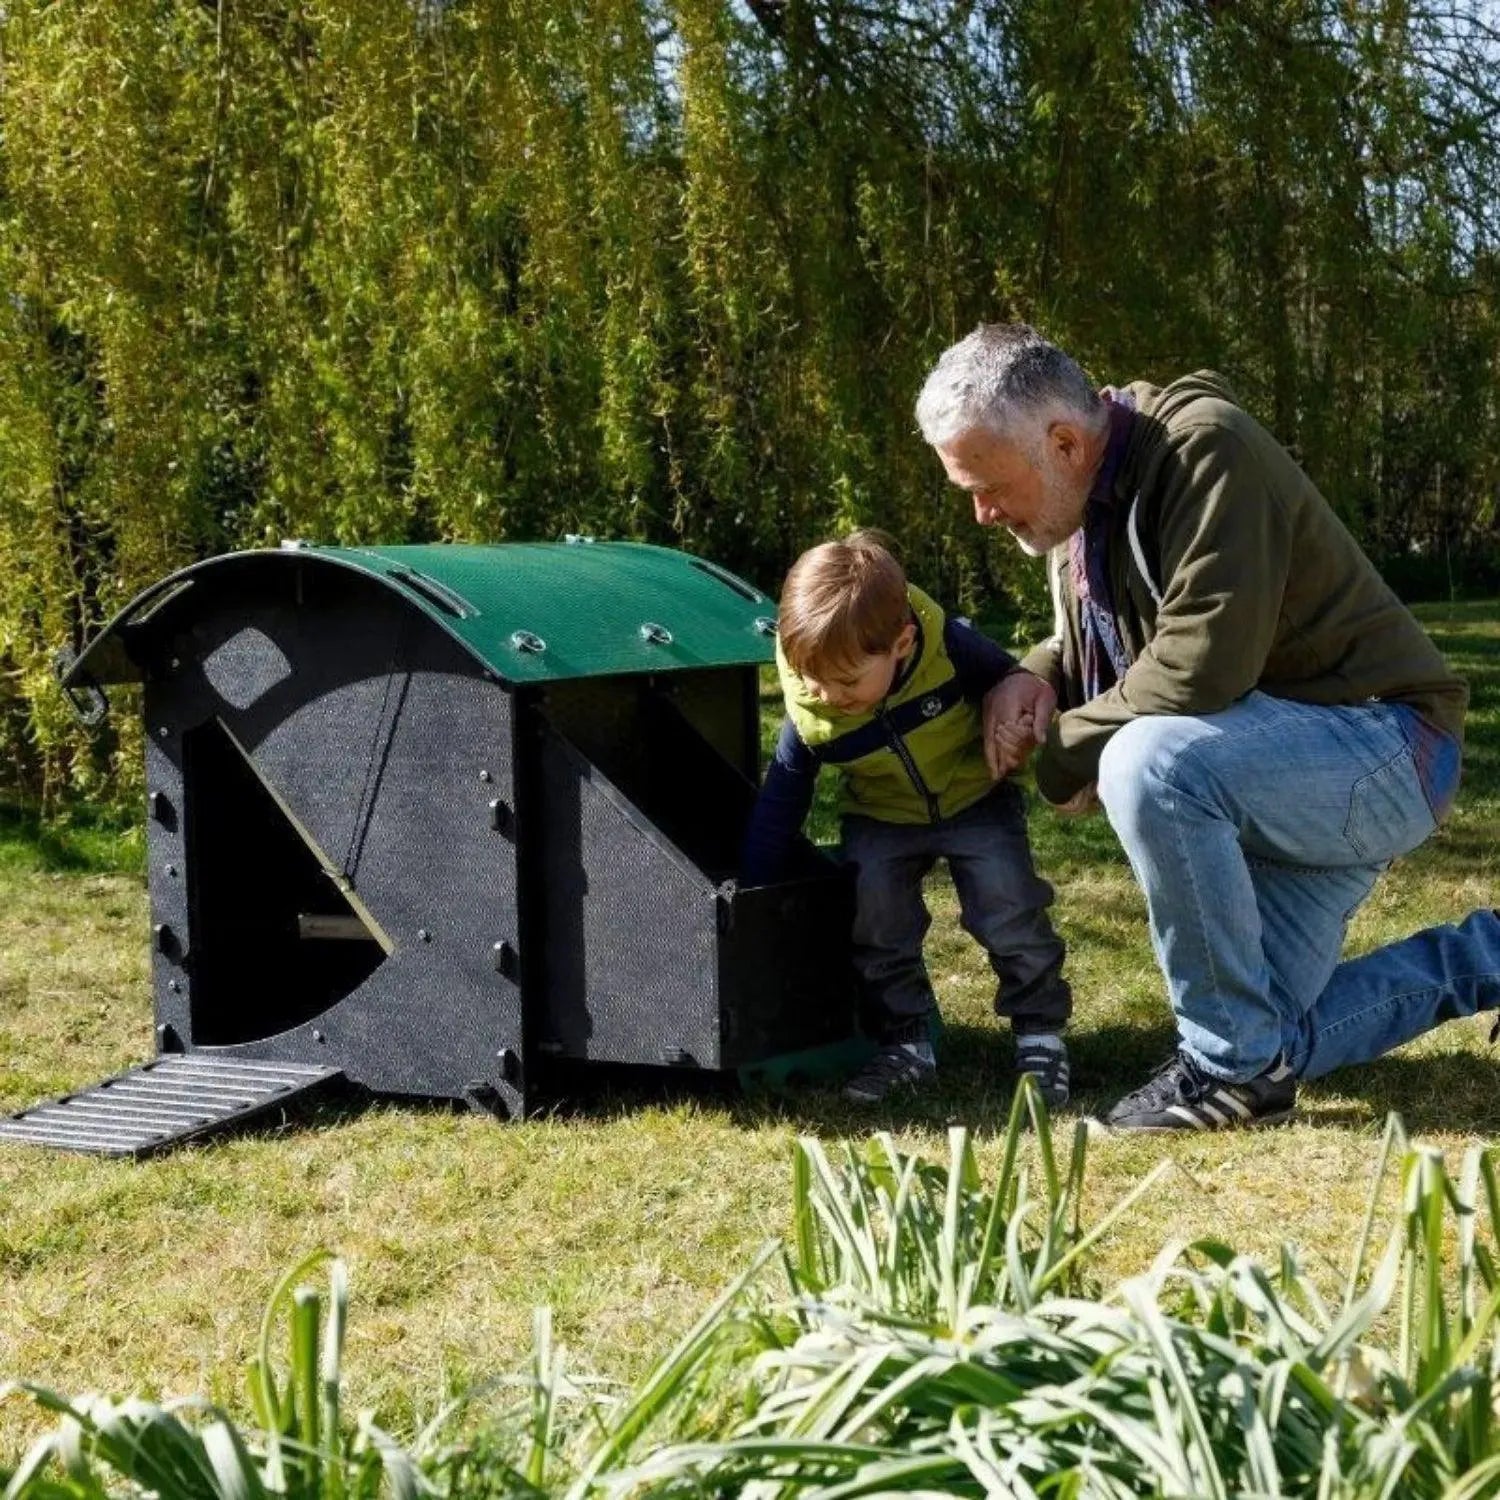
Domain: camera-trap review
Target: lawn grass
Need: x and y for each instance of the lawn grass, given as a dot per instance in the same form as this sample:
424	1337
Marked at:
626	1216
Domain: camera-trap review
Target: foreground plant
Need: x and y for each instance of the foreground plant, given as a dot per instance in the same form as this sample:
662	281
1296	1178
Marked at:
189	1447
940	1336
941	1341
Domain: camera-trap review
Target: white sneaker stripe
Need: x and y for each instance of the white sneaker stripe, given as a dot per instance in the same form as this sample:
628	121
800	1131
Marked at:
1187	1115
1238	1105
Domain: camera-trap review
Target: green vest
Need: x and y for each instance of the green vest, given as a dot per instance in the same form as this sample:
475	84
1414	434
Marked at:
919	756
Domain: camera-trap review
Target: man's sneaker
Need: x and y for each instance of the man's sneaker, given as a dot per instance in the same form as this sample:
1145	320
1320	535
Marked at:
898	1065
1181	1096
1044	1055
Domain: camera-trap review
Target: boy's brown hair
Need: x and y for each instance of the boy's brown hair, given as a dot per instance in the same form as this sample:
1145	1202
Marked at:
842	601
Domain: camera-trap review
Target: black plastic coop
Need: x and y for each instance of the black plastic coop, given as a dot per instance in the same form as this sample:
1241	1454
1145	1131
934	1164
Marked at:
445	820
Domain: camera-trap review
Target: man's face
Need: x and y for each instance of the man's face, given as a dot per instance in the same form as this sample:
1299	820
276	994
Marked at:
1041	503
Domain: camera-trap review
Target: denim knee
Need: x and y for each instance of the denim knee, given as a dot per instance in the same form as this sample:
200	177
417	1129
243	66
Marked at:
1138	771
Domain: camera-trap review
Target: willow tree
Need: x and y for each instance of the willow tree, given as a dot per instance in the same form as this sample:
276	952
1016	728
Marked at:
385	270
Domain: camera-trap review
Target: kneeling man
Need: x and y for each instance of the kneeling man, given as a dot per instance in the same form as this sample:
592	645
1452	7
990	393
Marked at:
1265	723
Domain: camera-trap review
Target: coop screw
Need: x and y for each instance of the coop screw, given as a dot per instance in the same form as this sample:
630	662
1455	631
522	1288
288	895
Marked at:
423	935
485	776
318	1036
172	871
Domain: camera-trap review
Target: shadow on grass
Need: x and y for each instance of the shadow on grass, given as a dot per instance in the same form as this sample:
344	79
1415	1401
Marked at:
82	841
975	1082
1454	1094
1460	849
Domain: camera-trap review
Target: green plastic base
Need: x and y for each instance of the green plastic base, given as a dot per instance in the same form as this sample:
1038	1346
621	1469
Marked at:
832	1062
836	1060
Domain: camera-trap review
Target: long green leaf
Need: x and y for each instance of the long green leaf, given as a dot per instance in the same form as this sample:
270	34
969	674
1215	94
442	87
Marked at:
666	1379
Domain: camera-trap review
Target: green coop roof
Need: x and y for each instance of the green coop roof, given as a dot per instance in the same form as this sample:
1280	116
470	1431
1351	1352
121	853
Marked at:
544	611
532	612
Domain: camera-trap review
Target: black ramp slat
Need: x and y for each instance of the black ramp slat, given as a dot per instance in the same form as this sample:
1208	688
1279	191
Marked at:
81	1140
78	1110
171	1100
203	1065
170	1091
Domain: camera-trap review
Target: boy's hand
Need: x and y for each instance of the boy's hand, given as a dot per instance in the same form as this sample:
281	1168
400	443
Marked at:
1017	712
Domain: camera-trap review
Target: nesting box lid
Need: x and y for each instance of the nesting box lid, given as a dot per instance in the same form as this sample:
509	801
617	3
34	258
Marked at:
530	611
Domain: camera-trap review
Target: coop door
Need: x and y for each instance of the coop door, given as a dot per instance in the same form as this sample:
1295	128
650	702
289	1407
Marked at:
277	934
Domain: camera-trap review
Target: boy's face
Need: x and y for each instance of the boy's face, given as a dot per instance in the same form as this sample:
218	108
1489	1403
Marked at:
860	686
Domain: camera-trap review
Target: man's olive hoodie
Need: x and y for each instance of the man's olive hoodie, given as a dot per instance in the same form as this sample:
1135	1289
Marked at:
1229	572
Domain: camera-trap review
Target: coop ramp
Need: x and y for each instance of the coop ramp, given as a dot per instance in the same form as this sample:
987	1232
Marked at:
164	1103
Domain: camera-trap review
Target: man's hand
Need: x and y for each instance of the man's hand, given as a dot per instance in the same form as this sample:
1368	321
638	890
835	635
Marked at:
1017	713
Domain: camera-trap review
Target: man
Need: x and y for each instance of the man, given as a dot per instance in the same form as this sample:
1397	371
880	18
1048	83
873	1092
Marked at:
1264	722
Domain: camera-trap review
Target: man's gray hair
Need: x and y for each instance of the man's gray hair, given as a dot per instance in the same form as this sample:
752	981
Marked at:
1007	379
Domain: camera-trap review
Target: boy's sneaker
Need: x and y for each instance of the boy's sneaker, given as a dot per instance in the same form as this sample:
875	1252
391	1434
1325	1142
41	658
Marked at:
1181	1096
897	1065
1044	1055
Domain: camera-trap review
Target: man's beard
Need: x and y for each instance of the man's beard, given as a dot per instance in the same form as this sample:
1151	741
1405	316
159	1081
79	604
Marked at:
1058	516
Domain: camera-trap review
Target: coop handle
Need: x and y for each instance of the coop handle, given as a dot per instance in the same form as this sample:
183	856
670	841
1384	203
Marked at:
743	589
446	599
144	605
85	698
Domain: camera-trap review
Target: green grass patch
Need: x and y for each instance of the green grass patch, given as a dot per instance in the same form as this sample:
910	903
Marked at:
78	841
629	1216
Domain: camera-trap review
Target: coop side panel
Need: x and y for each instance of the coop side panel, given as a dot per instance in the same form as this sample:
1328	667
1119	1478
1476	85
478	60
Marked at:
166	871
389	752
631	935
436	863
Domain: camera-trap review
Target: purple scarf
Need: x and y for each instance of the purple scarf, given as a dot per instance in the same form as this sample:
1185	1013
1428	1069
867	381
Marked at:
1105	659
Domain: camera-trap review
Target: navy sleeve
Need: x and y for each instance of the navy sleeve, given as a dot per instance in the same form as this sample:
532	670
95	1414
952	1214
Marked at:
977	660
780	810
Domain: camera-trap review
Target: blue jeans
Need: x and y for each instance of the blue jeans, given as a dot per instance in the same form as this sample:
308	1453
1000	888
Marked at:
1255	834
1002	905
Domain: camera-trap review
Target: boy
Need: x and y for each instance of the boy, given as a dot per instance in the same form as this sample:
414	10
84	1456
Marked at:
880	684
